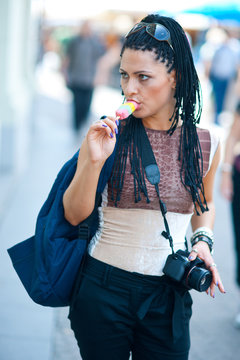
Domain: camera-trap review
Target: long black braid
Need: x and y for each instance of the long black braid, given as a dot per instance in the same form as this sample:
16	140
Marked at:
129	143
188	107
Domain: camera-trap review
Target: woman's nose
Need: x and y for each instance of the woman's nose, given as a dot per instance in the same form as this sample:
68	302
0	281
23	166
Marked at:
131	88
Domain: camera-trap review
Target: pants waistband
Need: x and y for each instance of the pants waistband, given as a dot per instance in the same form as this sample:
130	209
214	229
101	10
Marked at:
101	270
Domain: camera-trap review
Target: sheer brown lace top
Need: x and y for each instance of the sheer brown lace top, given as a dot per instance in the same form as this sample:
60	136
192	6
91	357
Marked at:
172	191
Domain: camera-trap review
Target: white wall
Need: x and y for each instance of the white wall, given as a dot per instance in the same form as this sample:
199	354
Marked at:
17	53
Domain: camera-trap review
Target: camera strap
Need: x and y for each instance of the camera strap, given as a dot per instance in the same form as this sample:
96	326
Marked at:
153	175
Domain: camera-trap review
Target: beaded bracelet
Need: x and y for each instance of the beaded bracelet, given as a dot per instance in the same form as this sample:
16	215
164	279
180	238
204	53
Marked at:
205	229
205	239
203	234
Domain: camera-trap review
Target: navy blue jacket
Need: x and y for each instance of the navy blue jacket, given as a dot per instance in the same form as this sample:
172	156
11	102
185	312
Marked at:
48	262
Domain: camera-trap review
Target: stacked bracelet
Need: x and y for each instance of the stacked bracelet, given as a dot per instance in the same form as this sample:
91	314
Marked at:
203	234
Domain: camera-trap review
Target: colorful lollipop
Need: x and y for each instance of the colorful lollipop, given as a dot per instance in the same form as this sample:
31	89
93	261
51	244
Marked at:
126	109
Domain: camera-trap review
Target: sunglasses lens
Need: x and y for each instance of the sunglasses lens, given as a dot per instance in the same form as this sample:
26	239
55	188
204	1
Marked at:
136	28
158	31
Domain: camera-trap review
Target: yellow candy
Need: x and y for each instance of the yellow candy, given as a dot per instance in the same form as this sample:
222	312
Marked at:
131	105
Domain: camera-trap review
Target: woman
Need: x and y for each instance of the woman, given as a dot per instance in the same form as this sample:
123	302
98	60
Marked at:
125	303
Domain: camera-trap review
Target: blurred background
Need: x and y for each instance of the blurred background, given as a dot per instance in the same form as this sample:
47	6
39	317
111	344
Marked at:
44	71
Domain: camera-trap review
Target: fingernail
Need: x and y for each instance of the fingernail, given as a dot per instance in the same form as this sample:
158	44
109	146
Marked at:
116	130
111	135
103	117
104	125
190	257
117	122
216	283
213	295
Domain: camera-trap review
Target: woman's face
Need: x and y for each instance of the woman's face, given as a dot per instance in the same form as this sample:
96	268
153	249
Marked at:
146	81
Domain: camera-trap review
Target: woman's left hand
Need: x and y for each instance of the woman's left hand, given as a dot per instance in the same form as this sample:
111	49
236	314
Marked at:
201	250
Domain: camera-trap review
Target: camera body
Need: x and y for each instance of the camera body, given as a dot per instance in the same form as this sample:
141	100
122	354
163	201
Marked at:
191	274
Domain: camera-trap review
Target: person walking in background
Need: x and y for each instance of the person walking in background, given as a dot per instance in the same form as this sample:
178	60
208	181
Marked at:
79	67
109	61
221	57
128	300
230	187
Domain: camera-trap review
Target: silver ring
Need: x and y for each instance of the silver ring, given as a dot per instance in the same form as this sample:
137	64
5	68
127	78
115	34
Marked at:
213	264
195	250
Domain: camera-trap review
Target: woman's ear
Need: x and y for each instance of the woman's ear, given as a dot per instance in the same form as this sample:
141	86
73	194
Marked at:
173	78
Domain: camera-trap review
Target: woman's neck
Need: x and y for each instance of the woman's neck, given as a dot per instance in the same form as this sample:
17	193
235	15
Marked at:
158	124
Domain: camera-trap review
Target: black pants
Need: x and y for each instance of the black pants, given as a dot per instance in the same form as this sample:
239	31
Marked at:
236	220
116	312
82	98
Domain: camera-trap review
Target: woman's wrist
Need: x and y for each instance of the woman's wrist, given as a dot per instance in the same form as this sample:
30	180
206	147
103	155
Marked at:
203	234
89	165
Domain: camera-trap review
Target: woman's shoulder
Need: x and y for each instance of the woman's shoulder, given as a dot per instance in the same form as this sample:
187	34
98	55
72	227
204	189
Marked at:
206	134
209	140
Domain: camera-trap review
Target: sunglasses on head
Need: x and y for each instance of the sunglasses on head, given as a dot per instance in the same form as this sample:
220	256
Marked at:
157	31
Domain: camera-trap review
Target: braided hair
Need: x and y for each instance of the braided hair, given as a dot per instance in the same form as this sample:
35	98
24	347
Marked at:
188	108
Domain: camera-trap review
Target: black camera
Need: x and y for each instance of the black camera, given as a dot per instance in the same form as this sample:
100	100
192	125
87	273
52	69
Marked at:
192	274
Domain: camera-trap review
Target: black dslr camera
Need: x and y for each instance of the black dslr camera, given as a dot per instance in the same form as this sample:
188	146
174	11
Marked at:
192	274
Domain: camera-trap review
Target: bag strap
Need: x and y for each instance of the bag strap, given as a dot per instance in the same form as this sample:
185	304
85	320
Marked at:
153	175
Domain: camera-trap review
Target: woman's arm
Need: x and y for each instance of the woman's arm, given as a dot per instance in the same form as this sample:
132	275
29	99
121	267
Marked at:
207	220
208	217
79	198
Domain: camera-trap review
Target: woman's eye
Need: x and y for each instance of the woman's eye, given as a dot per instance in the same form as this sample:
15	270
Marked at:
143	77
124	75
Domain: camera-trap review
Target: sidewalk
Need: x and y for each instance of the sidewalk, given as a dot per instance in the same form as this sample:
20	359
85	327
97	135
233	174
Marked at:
32	332
27	330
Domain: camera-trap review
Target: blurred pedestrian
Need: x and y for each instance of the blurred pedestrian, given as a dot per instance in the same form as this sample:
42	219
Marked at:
126	302
79	67
110	60
221	56
230	186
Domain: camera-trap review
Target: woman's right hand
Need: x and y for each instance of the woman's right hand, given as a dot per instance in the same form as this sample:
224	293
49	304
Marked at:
101	139
98	145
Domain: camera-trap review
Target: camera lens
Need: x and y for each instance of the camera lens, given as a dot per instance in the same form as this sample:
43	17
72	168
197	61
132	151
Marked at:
199	279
